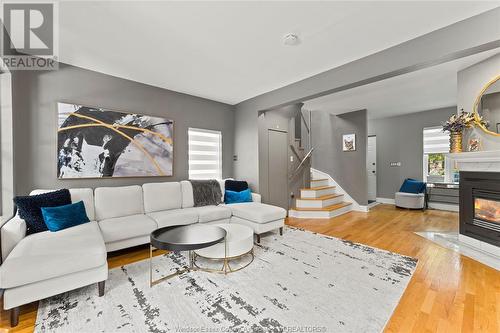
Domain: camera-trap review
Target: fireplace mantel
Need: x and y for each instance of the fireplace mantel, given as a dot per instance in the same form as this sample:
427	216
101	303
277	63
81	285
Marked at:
477	160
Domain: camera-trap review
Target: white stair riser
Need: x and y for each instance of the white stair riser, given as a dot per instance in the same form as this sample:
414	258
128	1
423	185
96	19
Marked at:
316	193
319	203
319	214
319	183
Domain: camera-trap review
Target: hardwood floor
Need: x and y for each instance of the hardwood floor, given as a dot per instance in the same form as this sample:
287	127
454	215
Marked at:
448	292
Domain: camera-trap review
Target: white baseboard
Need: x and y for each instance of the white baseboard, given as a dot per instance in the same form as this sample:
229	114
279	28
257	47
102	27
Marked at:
363	209
443	206
386	201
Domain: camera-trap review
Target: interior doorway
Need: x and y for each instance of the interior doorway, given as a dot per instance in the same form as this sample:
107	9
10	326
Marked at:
371	168
278	168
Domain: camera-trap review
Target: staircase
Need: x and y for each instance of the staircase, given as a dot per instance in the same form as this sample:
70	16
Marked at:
319	201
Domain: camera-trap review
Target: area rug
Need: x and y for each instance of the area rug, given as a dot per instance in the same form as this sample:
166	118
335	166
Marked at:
298	282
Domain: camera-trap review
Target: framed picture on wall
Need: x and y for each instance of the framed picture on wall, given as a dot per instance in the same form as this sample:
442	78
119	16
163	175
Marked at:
349	142
95	142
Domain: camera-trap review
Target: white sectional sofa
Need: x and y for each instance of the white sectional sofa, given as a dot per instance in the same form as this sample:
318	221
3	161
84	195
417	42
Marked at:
48	263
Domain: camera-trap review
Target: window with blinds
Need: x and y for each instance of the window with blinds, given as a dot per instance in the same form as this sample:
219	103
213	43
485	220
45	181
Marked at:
205	154
436	141
436	163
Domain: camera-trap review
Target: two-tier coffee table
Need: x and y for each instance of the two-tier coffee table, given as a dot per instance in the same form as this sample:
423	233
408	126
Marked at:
183	238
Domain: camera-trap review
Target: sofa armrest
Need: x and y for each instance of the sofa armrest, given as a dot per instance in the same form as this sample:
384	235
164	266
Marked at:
256	197
11	233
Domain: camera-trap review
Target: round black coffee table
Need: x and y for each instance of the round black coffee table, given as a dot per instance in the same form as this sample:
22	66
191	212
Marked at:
183	238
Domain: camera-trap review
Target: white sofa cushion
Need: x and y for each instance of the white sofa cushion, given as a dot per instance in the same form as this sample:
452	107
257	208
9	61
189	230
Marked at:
187	194
162	196
256	197
47	254
120	201
257	212
78	194
212	213
12	232
172	217
125	227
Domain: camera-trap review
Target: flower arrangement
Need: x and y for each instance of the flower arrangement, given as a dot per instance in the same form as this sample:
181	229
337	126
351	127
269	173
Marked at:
458	123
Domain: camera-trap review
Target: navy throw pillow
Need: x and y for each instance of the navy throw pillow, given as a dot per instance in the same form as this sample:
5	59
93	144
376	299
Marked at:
236	185
30	208
237	197
412	186
67	216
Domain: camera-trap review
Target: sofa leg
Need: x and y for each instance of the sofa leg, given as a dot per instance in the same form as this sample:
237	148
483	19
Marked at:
100	286
258	238
281	231
14	317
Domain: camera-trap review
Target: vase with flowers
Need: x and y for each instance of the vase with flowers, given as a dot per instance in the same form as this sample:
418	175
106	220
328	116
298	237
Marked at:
456	126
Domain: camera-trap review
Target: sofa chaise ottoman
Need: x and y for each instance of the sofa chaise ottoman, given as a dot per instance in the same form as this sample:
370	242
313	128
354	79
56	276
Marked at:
260	217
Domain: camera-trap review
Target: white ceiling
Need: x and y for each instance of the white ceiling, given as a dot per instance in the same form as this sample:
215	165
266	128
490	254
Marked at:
232	51
426	89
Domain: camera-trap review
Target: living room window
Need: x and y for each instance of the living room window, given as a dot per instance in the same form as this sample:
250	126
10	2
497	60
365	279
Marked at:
437	165
205	154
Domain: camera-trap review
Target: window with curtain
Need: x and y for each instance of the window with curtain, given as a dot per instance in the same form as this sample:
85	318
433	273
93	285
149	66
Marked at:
205	154
437	165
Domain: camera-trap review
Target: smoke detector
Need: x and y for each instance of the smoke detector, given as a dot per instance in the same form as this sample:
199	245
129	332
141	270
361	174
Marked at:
291	39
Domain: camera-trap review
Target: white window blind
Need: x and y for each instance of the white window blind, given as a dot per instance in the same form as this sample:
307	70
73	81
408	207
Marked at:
436	141
205	154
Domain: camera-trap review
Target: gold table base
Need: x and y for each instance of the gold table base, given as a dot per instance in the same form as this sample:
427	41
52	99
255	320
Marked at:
226	268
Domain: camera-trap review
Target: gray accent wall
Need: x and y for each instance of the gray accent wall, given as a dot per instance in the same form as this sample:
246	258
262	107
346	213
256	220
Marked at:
348	169
400	139
475	35
36	93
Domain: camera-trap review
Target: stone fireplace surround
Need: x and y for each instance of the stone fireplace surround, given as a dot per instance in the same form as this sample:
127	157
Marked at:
479	185
482	167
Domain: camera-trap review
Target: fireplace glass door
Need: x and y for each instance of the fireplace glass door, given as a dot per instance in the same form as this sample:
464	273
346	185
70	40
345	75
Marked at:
487	210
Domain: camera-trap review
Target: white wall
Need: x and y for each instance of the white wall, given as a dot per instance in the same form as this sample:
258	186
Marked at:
470	82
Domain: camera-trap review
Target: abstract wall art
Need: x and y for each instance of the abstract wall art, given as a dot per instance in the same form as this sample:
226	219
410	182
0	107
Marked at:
95	142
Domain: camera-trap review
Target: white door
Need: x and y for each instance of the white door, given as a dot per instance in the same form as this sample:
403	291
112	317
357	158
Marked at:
371	168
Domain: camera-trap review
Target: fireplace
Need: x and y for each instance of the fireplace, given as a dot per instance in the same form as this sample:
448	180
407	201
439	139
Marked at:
480	206
487	209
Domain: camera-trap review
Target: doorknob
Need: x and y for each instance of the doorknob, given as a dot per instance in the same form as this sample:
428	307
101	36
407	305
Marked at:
373	163
373	171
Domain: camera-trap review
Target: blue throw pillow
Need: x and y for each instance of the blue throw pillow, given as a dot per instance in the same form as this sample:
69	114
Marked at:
67	216
412	186
237	197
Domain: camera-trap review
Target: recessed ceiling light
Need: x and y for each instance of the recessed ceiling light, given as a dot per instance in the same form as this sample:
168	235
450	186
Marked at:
291	39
